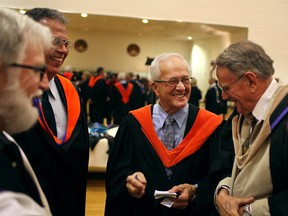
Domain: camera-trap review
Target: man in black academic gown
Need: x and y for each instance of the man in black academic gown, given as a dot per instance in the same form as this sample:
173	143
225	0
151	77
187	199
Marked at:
58	151
23	43
140	163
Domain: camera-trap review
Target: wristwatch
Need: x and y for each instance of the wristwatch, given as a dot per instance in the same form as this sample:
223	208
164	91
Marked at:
247	210
195	192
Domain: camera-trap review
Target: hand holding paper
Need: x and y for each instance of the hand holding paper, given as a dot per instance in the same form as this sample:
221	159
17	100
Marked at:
168	195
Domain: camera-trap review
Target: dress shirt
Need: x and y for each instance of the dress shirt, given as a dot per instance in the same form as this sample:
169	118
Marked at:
58	109
179	126
262	105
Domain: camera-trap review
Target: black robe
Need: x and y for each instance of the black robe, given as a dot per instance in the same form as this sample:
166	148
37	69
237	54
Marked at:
119	108
13	174
61	169
98	94
131	152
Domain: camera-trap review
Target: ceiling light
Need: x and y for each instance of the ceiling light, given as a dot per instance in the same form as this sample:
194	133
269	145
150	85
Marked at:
84	14
189	37
145	20
22	11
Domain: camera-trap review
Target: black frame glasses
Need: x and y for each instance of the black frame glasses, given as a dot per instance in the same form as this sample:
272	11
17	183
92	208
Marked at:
58	42
173	82
40	70
227	88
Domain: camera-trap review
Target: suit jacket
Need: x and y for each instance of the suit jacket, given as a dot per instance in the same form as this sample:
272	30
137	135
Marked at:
61	169
263	172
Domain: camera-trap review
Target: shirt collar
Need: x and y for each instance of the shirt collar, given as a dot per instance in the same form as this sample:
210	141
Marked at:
179	116
262	105
52	87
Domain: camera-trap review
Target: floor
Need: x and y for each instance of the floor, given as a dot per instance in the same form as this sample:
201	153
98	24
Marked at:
95	195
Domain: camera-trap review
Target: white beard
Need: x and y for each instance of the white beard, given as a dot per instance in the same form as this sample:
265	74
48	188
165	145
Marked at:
16	111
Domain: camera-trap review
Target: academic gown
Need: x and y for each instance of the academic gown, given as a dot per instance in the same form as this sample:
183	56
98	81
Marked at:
131	152
98	95
119	108
13	174
61	169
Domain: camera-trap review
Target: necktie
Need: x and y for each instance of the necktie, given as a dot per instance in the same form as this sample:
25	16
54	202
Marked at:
168	135
48	113
168	138
246	144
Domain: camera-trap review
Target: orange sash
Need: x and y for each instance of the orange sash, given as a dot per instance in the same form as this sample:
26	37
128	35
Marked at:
93	80
73	110
125	93
202	128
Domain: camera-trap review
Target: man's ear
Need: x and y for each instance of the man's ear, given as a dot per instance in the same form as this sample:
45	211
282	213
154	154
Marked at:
253	81
155	88
252	78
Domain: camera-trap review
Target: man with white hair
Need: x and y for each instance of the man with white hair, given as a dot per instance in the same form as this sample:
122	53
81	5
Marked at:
23	43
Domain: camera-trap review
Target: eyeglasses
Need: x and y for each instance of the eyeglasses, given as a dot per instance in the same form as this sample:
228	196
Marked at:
40	70
58	42
227	88
174	82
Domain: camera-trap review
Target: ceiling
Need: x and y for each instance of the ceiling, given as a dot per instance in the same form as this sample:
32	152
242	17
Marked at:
173	30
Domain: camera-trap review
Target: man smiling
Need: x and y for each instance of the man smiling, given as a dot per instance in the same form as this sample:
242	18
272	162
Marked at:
168	146
59	154
259	183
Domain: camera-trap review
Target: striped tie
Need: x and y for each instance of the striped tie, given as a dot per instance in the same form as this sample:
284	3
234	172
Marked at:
168	135
168	138
246	144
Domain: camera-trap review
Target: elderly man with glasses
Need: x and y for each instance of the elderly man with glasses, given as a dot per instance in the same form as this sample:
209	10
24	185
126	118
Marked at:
169	146
259	182
59	154
23	43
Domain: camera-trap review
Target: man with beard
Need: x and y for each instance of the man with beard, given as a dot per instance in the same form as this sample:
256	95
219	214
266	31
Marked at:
58	145
22	46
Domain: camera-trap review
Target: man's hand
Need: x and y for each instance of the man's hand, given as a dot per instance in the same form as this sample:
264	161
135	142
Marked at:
136	184
229	205
186	192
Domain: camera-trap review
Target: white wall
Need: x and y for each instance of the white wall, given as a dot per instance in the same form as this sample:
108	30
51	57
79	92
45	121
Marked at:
109	51
266	20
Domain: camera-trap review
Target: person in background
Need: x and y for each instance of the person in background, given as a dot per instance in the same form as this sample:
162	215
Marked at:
213	99
151	97
196	93
22	46
139	90
110	81
58	150
122	98
84	89
259	182
98	96
150	153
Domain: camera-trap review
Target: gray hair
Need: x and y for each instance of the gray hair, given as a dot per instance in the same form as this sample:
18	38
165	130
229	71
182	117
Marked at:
246	56
155	69
39	13
17	32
